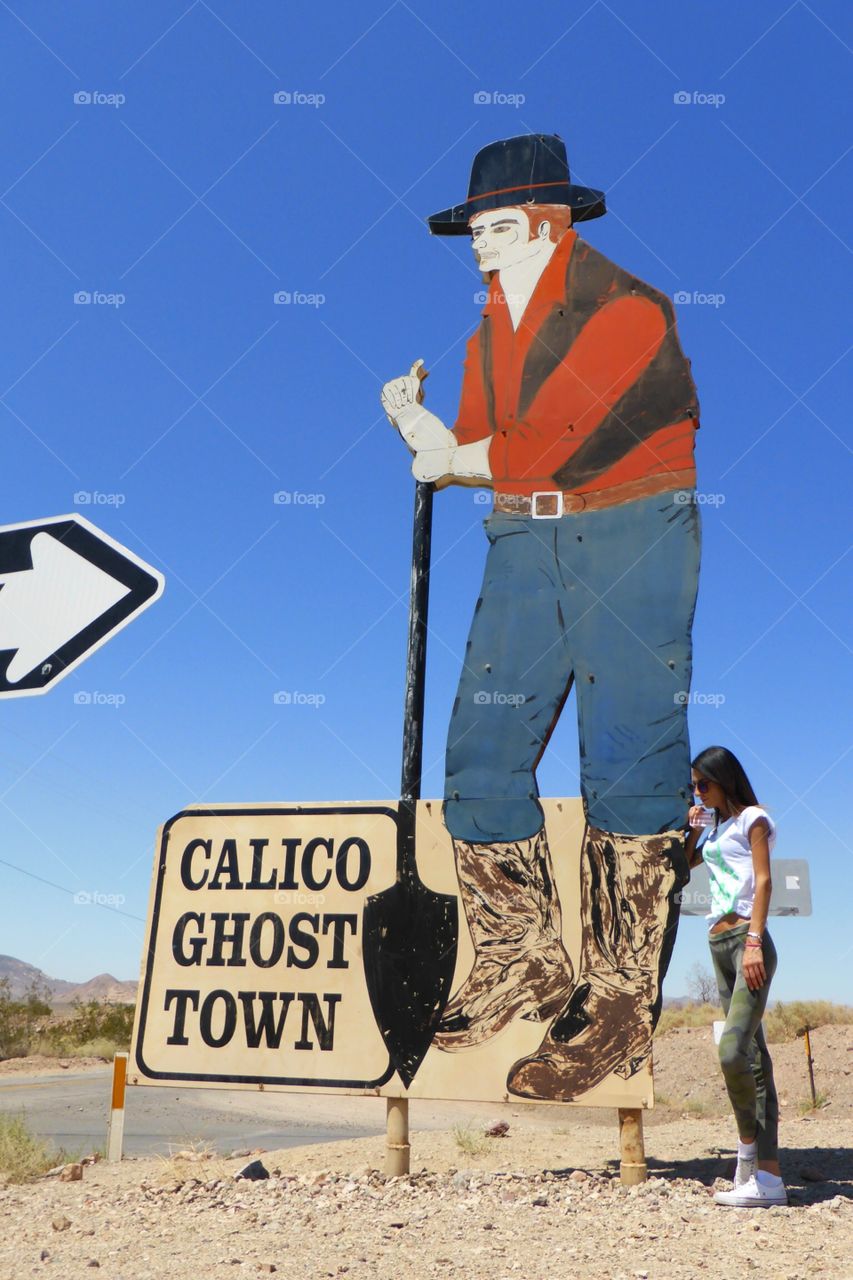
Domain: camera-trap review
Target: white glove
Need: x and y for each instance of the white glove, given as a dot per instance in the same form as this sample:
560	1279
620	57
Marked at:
431	464
400	392
462	461
423	430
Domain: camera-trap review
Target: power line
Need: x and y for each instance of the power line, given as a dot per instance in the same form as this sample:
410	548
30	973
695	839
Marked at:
62	889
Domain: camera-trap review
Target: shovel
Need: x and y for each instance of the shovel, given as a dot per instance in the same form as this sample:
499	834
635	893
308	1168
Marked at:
410	932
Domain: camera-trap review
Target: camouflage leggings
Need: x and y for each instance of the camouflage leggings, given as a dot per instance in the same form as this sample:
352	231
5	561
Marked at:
746	1064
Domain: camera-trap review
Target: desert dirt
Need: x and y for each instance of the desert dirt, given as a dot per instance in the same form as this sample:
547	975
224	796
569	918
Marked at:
542	1201
39	1065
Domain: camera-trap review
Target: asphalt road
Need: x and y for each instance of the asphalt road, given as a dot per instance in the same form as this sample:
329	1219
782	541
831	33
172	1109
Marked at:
73	1110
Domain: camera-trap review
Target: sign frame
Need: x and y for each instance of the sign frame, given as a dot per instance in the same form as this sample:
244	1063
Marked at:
144	586
220	1080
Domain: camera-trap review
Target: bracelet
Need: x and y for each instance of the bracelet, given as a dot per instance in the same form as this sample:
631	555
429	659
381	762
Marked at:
753	946
750	934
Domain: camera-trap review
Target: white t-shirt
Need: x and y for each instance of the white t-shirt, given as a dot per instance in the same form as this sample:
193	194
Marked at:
728	857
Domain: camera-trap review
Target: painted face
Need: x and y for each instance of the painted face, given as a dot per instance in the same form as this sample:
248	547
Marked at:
708	793
501	238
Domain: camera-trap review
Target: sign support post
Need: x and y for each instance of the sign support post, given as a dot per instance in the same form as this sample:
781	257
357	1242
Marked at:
810	1061
115	1130
397	1149
632	1165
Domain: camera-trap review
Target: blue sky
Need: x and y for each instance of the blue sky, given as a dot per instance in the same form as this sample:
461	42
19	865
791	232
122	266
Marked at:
185	197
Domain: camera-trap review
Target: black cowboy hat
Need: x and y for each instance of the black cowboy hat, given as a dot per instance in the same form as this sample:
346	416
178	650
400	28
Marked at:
530	169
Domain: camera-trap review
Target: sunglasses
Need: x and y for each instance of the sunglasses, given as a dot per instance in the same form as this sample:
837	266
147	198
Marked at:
702	786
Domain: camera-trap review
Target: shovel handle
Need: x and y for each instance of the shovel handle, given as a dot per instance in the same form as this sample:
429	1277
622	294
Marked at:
413	714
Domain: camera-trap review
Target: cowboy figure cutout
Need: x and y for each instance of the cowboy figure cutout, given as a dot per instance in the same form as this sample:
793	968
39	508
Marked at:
579	410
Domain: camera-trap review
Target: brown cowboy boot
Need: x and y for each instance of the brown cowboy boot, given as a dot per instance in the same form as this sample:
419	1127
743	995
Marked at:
520	964
629	914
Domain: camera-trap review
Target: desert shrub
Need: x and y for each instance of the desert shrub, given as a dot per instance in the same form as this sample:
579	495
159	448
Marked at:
806	1107
786	1021
21	1019
782	1021
93	1030
469	1140
687	1015
22	1155
100	1047
702	985
182	1164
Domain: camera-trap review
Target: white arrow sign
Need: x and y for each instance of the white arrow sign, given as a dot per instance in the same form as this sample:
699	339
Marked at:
42	608
65	588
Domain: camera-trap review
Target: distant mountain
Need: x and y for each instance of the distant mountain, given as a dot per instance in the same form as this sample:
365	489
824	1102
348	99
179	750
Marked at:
22	977
104	987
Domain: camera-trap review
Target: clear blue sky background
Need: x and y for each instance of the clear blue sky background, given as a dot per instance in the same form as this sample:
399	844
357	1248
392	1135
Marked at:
198	398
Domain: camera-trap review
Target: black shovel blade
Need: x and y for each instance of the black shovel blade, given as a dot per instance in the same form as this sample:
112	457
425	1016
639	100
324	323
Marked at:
410	938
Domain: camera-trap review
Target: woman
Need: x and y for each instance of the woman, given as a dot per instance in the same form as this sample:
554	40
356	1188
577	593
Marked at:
737	855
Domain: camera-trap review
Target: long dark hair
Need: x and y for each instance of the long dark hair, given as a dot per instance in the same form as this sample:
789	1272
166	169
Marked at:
720	765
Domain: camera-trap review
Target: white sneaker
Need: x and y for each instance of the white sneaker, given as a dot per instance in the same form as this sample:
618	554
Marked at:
746	1166
753	1195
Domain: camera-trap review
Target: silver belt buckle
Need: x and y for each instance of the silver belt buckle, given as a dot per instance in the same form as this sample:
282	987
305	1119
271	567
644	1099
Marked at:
553	495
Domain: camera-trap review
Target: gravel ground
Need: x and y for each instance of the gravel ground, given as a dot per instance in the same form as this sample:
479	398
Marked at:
541	1202
527	1206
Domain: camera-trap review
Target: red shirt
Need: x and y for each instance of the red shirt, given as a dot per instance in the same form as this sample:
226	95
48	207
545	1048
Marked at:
614	347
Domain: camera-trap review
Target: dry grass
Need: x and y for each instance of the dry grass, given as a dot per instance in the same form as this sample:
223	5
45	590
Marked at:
472	1141
23	1156
687	1015
694	1107
782	1022
806	1107
787	1021
191	1160
99	1047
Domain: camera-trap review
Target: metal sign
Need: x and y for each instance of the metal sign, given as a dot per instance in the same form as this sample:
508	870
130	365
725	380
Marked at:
791	890
261	956
66	587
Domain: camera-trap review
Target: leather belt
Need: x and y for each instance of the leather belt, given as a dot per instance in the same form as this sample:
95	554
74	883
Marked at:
550	504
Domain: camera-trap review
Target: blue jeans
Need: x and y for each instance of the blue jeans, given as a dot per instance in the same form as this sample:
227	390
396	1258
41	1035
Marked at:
602	600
